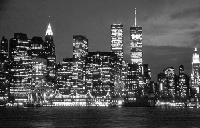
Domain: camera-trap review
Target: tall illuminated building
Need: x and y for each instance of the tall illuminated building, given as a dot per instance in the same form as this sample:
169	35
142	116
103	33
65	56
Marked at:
117	48
117	40
49	51
80	51
195	76
20	67
136	43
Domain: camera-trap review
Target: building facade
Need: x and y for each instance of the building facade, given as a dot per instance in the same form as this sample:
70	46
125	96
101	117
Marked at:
117	40
100	73
20	67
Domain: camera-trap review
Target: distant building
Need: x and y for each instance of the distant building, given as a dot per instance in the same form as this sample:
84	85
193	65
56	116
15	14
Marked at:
172	87
162	84
4	69
167	84
182	88
171	83
195	76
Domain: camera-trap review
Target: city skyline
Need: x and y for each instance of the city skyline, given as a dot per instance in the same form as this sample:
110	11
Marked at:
162	29
99	63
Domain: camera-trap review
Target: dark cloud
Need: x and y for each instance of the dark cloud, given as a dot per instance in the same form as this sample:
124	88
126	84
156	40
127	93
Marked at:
193	12
3	4
196	38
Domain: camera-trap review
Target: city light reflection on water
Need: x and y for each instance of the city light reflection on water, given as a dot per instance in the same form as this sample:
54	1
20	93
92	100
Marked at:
99	117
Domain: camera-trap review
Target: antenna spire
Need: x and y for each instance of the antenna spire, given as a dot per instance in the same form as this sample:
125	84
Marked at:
135	16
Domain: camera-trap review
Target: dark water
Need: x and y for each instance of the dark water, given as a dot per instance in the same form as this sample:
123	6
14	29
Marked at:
101	117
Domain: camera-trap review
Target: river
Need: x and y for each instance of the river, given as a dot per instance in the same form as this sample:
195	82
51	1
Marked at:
99	117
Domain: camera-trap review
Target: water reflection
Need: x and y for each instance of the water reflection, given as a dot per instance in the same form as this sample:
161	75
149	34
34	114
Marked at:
100	117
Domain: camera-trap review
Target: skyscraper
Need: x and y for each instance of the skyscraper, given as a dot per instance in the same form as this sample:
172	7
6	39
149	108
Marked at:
136	43
117	40
49	52
80	50
20	67
195	76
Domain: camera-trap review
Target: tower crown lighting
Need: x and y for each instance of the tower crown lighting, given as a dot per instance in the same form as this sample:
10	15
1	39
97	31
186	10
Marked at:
49	30
195	57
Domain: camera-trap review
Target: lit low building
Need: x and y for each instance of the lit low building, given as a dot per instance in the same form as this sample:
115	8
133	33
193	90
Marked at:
100	72
65	78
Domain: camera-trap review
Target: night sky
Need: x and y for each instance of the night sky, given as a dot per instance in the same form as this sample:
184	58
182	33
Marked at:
171	28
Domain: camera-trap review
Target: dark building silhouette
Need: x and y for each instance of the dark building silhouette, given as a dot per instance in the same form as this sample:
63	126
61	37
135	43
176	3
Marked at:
4	70
37	47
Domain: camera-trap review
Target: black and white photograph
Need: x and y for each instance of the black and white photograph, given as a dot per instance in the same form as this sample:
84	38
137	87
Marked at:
99	63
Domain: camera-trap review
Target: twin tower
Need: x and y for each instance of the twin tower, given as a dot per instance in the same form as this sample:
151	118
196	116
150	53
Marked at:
135	41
